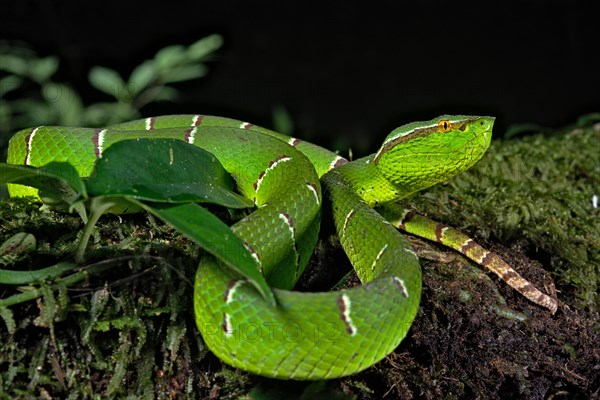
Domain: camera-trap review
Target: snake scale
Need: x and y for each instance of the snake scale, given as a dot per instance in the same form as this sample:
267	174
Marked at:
306	335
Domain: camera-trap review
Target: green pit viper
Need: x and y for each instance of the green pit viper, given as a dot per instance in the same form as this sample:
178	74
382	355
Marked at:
306	335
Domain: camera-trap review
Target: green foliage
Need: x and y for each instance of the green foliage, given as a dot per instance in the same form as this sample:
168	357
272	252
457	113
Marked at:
164	170
120	325
111	330
165	177
126	327
29	96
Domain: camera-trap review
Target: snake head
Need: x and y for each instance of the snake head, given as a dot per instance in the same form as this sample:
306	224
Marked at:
421	154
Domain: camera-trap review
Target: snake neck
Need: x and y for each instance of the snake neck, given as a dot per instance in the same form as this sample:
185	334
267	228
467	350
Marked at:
368	182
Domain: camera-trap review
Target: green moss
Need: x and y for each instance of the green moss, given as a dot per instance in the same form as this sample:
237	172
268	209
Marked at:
113	333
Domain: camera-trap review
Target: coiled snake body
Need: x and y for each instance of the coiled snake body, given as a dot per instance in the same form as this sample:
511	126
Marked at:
305	335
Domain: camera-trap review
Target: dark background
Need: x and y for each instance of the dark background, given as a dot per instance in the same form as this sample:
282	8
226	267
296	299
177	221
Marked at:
347	73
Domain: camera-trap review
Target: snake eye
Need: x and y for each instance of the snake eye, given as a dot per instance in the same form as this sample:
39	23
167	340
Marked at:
444	126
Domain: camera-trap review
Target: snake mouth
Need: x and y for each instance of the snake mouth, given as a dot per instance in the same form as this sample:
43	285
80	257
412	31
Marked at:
487	136
480	129
487	123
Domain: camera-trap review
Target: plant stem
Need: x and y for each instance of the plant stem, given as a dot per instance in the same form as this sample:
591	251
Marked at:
31	294
97	207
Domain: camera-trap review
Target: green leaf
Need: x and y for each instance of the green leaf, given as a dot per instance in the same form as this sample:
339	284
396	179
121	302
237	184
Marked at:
104	114
65	103
165	93
58	182
42	69
163	170
214	236
588	120
14	64
31	112
169	56
108	81
142	76
67	173
17	244
205	46
185	73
